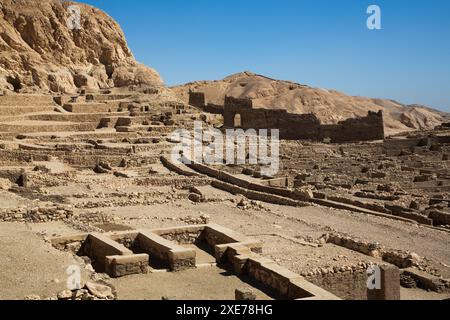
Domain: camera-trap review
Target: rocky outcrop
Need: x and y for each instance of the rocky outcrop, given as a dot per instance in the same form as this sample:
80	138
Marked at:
40	52
329	106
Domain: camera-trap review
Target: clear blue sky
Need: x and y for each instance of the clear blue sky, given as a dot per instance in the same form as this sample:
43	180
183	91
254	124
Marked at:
322	43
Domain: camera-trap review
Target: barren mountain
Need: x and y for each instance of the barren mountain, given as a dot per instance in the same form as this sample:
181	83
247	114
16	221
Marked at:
329	105
39	50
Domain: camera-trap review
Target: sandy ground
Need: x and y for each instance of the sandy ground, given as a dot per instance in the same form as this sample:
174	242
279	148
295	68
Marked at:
278	227
29	265
209	283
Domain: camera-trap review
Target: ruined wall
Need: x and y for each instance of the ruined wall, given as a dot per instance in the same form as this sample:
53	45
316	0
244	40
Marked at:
197	99
291	126
240	113
366	128
348	285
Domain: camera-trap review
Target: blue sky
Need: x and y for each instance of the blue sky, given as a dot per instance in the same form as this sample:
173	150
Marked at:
322	43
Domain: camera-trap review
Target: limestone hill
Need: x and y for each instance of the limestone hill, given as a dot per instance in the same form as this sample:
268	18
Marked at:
329	106
38	50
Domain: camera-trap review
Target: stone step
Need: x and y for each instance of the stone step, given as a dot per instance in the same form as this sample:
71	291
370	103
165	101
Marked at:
70	117
90	107
21	110
30	126
30	100
109	97
153	129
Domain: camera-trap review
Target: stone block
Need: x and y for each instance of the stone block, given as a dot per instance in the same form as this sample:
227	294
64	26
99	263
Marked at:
119	266
389	284
98	247
177	257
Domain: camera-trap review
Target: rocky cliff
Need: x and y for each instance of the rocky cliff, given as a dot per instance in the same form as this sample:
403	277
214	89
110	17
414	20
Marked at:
329	106
40	50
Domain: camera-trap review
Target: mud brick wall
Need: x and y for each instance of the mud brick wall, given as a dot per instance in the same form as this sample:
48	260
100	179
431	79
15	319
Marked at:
291	126
197	99
302	126
213	108
440	218
366	128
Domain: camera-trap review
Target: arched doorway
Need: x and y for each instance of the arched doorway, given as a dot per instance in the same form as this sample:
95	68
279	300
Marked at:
237	121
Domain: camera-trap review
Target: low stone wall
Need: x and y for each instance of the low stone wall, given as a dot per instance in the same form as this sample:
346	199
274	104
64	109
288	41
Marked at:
120	266
369	206
98	247
409	214
285	283
36	215
89	107
177	257
214	173
348	285
285	182
215	235
395	211
182	235
258	196
289	197
111	252
426	281
81	158
242	183
173	167
398	258
53	213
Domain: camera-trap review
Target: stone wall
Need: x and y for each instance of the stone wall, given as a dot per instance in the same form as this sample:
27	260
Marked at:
440	218
398	258
53	213
283	283
198	99
348	285
36	215
366	128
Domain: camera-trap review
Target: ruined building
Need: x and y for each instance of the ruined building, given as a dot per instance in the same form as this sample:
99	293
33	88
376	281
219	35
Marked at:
240	113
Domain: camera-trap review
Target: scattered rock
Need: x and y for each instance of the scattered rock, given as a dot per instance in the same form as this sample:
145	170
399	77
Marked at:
99	290
245	295
5	184
65	295
194	197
